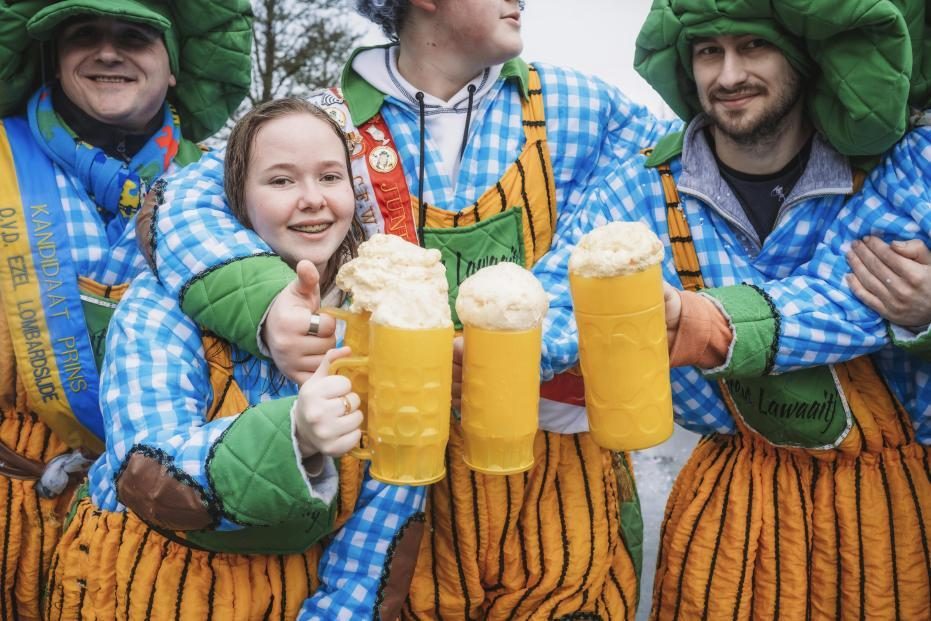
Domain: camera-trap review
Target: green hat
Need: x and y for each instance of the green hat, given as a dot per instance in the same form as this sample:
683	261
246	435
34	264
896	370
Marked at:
856	55
920	27
208	42
42	25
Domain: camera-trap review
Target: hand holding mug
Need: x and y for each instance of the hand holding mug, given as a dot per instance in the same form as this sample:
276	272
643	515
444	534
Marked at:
326	413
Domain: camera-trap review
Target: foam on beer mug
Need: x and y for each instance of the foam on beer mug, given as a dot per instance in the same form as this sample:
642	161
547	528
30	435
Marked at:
413	306
616	249
383	260
503	297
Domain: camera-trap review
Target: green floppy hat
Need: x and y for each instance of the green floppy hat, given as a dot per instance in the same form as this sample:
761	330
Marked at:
209	43
856	56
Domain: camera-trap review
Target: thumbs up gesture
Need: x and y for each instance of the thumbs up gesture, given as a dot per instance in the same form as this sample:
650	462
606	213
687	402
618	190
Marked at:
326	413
294	334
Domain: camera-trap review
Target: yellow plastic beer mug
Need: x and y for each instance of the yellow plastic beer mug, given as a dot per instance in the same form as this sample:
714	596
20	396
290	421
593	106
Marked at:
357	339
410	383
624	357
500	398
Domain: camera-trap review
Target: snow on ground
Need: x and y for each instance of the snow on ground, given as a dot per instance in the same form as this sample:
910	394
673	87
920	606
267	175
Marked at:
655	469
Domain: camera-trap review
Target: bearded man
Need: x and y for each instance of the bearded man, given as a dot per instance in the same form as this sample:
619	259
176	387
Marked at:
790	505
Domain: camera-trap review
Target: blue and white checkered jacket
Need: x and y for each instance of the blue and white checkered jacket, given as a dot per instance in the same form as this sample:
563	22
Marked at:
156	390
589	125
821	321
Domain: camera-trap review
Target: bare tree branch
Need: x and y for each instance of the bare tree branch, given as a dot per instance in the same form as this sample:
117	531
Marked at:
299	46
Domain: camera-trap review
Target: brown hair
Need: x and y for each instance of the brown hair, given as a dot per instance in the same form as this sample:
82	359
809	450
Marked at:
236	168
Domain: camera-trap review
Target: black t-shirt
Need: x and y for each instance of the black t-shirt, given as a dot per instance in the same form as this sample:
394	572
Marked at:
761	196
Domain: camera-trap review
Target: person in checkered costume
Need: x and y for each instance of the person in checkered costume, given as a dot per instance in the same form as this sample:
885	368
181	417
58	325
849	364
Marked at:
808	495
225	490
98	101
454	136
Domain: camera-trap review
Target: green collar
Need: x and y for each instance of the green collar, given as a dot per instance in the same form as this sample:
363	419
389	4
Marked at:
364	100
667	148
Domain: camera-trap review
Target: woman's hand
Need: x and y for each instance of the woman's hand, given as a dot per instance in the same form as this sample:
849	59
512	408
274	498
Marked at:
893	279
326	413
295	351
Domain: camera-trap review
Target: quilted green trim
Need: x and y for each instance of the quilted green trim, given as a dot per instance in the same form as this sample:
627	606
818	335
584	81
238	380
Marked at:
254	472
231	299
918	345
755	323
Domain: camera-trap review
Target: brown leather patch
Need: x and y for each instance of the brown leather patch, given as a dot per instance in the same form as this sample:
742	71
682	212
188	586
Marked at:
158	498
399	568
15	466
144	225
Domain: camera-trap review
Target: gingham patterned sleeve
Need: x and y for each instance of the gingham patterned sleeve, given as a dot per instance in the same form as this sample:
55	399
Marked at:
155	386
617	194
356	564
821	320
592	128
195	230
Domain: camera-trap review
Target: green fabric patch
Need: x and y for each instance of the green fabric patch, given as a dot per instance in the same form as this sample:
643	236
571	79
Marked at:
97	313
231	300
188	153
292	537
755	326
468	249
800	409
254	472
79	494
632	525
668	147
855	58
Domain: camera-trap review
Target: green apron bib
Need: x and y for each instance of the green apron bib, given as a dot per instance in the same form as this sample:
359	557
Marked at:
467	249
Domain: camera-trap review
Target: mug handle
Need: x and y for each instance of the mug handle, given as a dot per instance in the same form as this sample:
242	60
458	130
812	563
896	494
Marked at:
354	362
338	313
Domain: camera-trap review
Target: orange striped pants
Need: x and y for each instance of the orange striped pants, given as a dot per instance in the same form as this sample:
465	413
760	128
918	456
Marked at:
30	526
543	544
757	532
113	566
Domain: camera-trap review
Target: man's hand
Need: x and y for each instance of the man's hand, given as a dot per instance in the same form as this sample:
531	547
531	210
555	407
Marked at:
893	279
673	305
295	352
326	413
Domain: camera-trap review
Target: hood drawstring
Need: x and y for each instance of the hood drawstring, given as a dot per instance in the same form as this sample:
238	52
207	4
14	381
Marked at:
421	208
465	133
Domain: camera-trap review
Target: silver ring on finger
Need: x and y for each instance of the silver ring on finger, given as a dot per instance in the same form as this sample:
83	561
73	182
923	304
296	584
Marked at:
314	328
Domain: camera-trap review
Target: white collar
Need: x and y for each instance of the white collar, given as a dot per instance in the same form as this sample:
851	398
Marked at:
379	67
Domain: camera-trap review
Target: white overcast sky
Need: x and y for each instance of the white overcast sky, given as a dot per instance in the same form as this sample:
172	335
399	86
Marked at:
594	36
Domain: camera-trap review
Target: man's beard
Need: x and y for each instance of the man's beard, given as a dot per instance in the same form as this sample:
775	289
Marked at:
770	122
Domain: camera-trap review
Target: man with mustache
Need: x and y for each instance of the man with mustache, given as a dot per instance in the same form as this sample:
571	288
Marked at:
808	496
